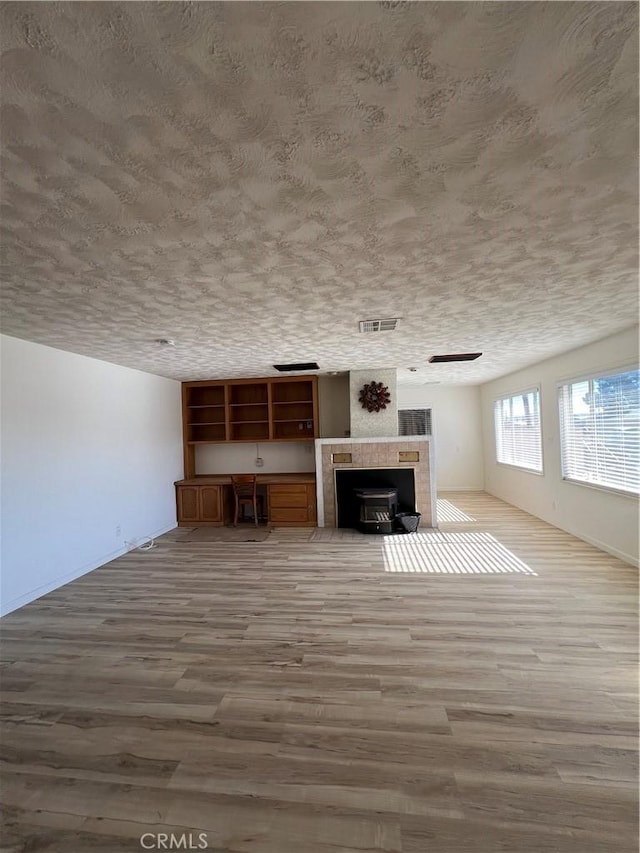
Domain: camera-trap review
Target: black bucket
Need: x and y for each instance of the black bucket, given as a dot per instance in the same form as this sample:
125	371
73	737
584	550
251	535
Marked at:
408	521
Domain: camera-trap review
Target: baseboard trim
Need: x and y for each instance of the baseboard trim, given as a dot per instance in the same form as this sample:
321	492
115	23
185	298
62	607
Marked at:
602	546
63	580
590	540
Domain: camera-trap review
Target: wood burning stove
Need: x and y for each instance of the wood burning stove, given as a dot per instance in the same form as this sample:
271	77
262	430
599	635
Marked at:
351	480
378	508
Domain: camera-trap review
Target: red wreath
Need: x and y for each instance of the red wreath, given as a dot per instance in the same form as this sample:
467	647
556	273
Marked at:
374	397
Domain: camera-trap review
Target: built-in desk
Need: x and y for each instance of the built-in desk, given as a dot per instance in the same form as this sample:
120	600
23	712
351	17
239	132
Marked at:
206	500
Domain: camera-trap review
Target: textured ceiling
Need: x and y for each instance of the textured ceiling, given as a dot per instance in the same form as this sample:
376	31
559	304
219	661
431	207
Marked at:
253	179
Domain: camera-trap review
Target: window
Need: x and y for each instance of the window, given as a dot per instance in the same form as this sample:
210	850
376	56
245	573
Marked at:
600	430
414	422
518	433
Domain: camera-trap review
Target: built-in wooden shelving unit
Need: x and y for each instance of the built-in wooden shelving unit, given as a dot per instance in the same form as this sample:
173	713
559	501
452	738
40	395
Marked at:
258	410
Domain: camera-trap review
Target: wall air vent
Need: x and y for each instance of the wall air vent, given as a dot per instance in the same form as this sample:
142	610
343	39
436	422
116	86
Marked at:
458	356
378	325
300	365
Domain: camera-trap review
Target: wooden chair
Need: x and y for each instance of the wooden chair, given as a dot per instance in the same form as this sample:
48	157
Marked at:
245	494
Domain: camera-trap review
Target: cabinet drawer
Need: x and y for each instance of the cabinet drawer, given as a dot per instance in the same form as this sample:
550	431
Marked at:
287	515
288	496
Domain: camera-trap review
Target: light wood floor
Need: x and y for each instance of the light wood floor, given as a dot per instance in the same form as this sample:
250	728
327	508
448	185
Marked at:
306	694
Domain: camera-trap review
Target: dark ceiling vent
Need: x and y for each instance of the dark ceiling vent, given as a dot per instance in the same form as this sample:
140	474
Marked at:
301	365
458	356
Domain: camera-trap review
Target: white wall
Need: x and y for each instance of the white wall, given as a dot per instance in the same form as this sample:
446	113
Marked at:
278	457
334	406
457	431
366	424
86	447
605	519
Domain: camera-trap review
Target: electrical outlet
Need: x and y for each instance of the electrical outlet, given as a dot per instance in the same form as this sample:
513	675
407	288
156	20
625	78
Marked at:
259	461
118	531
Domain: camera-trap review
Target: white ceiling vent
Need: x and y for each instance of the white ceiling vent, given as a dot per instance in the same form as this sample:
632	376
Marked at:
378	325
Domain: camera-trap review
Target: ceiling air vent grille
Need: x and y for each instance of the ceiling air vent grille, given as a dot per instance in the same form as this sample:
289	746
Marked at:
458	356
298	365
378	325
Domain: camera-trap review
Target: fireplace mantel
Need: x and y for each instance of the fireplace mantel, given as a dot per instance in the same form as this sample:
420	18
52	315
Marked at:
379	452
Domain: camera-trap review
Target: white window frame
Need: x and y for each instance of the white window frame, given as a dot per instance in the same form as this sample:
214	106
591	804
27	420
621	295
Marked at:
589	377
508	396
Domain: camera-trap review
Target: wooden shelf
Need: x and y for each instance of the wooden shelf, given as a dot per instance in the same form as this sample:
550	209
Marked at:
206	433
247	410
300	389
205	416
250	431
290	430
203	394
254	393
207	406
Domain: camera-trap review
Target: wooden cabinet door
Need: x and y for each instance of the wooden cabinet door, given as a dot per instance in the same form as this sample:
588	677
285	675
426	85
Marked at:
188	503
210	503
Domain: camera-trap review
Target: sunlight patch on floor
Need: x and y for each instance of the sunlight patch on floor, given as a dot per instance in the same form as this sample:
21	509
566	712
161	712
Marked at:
448	512
439	553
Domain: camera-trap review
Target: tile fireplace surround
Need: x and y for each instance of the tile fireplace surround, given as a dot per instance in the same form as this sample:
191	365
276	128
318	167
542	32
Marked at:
375	453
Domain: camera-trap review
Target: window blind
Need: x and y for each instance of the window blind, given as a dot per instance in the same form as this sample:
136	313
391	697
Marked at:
414	422
600	430
517	428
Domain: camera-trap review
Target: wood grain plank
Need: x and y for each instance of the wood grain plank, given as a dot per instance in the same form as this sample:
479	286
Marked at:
313	693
